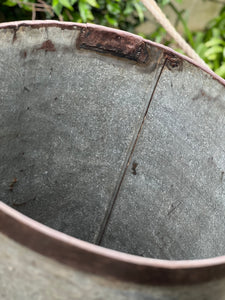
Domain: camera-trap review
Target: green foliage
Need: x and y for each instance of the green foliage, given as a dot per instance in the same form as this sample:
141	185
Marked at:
9	3
125	15
210	44
121	14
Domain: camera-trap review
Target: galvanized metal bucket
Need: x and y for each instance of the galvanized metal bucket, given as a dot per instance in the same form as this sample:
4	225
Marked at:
112	167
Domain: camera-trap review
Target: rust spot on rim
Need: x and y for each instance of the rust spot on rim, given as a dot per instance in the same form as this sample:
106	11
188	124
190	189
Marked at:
47	46
116	43
173	62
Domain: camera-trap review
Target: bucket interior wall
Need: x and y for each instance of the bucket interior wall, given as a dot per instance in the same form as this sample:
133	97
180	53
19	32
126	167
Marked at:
126	155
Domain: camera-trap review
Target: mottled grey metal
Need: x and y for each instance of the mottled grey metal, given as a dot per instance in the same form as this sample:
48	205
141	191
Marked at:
67	120
174	207
124	151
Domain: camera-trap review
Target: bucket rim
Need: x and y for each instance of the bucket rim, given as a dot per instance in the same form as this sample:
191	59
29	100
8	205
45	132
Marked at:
94	259
15	25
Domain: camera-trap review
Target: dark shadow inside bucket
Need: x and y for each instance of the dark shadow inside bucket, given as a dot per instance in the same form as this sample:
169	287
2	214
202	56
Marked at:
126	156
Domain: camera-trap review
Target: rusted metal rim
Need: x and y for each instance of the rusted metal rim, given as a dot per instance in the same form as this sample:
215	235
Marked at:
130	42
88	257
94	259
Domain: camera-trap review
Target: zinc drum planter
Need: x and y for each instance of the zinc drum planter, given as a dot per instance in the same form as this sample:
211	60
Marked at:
112	152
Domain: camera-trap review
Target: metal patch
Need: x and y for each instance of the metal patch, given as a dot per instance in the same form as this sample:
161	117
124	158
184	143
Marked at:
113	42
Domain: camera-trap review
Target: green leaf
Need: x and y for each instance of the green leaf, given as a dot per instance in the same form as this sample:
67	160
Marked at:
113	8
26	7
57	7
10	3
221	70
139	10
215	41
67	4
198	39
85	11
73	2
211	52
201	49
216	32
76	16
212	57
93	3
111	21
165	2
128	9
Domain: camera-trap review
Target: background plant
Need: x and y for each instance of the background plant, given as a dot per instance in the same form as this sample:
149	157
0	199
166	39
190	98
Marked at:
125	15
208	43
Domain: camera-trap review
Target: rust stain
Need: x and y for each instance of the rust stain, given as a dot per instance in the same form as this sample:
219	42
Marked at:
221	177
47	46
23	54
173	62
203	96
113	42
12	184
134	166
19	204
24	202
14	35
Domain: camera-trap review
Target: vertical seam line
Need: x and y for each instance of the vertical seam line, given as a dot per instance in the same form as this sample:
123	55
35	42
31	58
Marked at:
111	205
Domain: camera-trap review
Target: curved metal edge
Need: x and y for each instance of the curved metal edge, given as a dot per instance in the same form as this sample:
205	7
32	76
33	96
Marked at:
97	260
140	45
172	52
40	23
91	258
